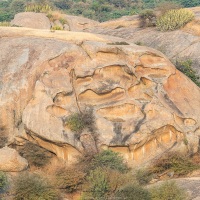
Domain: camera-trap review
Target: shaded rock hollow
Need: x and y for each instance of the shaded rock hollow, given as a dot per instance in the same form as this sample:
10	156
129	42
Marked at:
142	105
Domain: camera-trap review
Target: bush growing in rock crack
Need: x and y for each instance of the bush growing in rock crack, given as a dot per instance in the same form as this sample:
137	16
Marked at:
77	122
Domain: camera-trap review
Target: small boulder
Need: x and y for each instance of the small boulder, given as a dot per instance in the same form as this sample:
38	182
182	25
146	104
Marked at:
31	20
11	161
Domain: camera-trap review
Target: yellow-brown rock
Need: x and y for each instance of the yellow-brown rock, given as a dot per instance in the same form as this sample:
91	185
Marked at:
142	106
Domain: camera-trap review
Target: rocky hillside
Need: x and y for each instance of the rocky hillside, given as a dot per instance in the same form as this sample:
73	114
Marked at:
179	45
136	101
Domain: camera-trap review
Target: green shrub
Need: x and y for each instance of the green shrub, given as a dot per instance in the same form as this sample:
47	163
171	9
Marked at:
147	18
3	181
77	122
29	186
168	191
133	192
143	176
181	165
69	178
35	154
174	19
110	159
97	184
186	68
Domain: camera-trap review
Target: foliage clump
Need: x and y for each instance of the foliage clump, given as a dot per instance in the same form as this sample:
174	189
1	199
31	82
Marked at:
174	19
179	164
36	155
186	68
168	191
77	122
29	186
110	159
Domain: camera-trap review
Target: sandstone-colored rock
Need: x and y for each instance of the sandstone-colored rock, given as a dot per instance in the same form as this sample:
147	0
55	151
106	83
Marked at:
31	20
178	45
142	106
11	161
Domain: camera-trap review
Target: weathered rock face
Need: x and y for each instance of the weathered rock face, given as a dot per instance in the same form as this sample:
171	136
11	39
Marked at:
11	161
142	105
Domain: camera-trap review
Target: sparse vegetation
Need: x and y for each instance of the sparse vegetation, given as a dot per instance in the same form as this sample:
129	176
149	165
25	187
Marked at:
174	19
186	68
168	191
143	176
38	8
36	155
28	186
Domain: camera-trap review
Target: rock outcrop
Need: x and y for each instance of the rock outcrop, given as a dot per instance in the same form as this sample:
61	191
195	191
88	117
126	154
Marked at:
142	105
11	161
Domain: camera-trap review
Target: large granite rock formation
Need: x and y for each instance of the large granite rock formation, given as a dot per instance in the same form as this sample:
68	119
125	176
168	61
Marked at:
142	105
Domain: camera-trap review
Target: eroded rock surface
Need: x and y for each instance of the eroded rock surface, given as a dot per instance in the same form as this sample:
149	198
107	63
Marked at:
142	105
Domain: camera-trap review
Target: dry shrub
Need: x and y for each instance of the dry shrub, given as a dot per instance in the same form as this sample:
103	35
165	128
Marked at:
36	155
180	164
168	191
28	186
174	19
69	178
